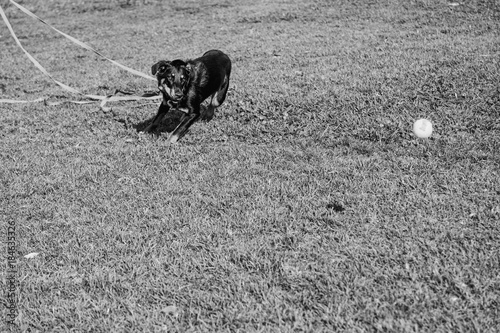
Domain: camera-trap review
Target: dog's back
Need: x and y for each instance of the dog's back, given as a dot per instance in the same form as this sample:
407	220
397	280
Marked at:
215	74
216	60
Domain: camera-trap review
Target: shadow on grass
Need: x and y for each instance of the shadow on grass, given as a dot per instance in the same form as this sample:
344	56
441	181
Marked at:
168	124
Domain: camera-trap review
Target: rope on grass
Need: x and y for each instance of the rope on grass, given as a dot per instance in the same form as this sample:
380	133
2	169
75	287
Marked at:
103	99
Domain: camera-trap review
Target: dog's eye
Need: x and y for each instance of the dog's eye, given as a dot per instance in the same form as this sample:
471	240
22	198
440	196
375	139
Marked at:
162	69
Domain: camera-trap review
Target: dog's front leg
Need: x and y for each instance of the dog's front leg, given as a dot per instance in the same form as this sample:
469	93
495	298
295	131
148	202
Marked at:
162	111
186	121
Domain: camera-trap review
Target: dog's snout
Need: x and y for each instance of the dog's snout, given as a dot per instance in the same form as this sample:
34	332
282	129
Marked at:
178	93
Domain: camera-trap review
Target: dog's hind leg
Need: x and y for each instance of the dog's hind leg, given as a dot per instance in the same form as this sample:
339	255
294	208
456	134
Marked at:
216	100
220	95
208	114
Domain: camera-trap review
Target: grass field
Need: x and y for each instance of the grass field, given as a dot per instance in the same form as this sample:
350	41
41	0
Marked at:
305	205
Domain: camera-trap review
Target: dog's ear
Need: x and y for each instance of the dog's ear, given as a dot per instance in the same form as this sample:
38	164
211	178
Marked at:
156	67
189	69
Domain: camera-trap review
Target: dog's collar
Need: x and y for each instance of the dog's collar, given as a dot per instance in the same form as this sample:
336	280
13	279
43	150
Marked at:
173	105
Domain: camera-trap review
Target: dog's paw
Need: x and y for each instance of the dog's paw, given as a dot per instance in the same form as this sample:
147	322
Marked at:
177	135
147	130
206	118
207	114
174	138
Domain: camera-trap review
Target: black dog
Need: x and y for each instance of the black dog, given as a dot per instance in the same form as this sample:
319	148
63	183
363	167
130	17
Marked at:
186	84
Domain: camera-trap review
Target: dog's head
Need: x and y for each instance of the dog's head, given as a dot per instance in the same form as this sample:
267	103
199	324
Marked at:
173	78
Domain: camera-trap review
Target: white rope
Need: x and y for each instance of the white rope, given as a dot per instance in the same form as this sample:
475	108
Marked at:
103	99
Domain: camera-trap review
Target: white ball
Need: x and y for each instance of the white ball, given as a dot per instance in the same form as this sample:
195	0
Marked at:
422	128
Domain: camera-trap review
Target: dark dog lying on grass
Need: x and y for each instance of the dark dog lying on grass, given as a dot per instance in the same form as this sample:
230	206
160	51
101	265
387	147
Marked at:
186	84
